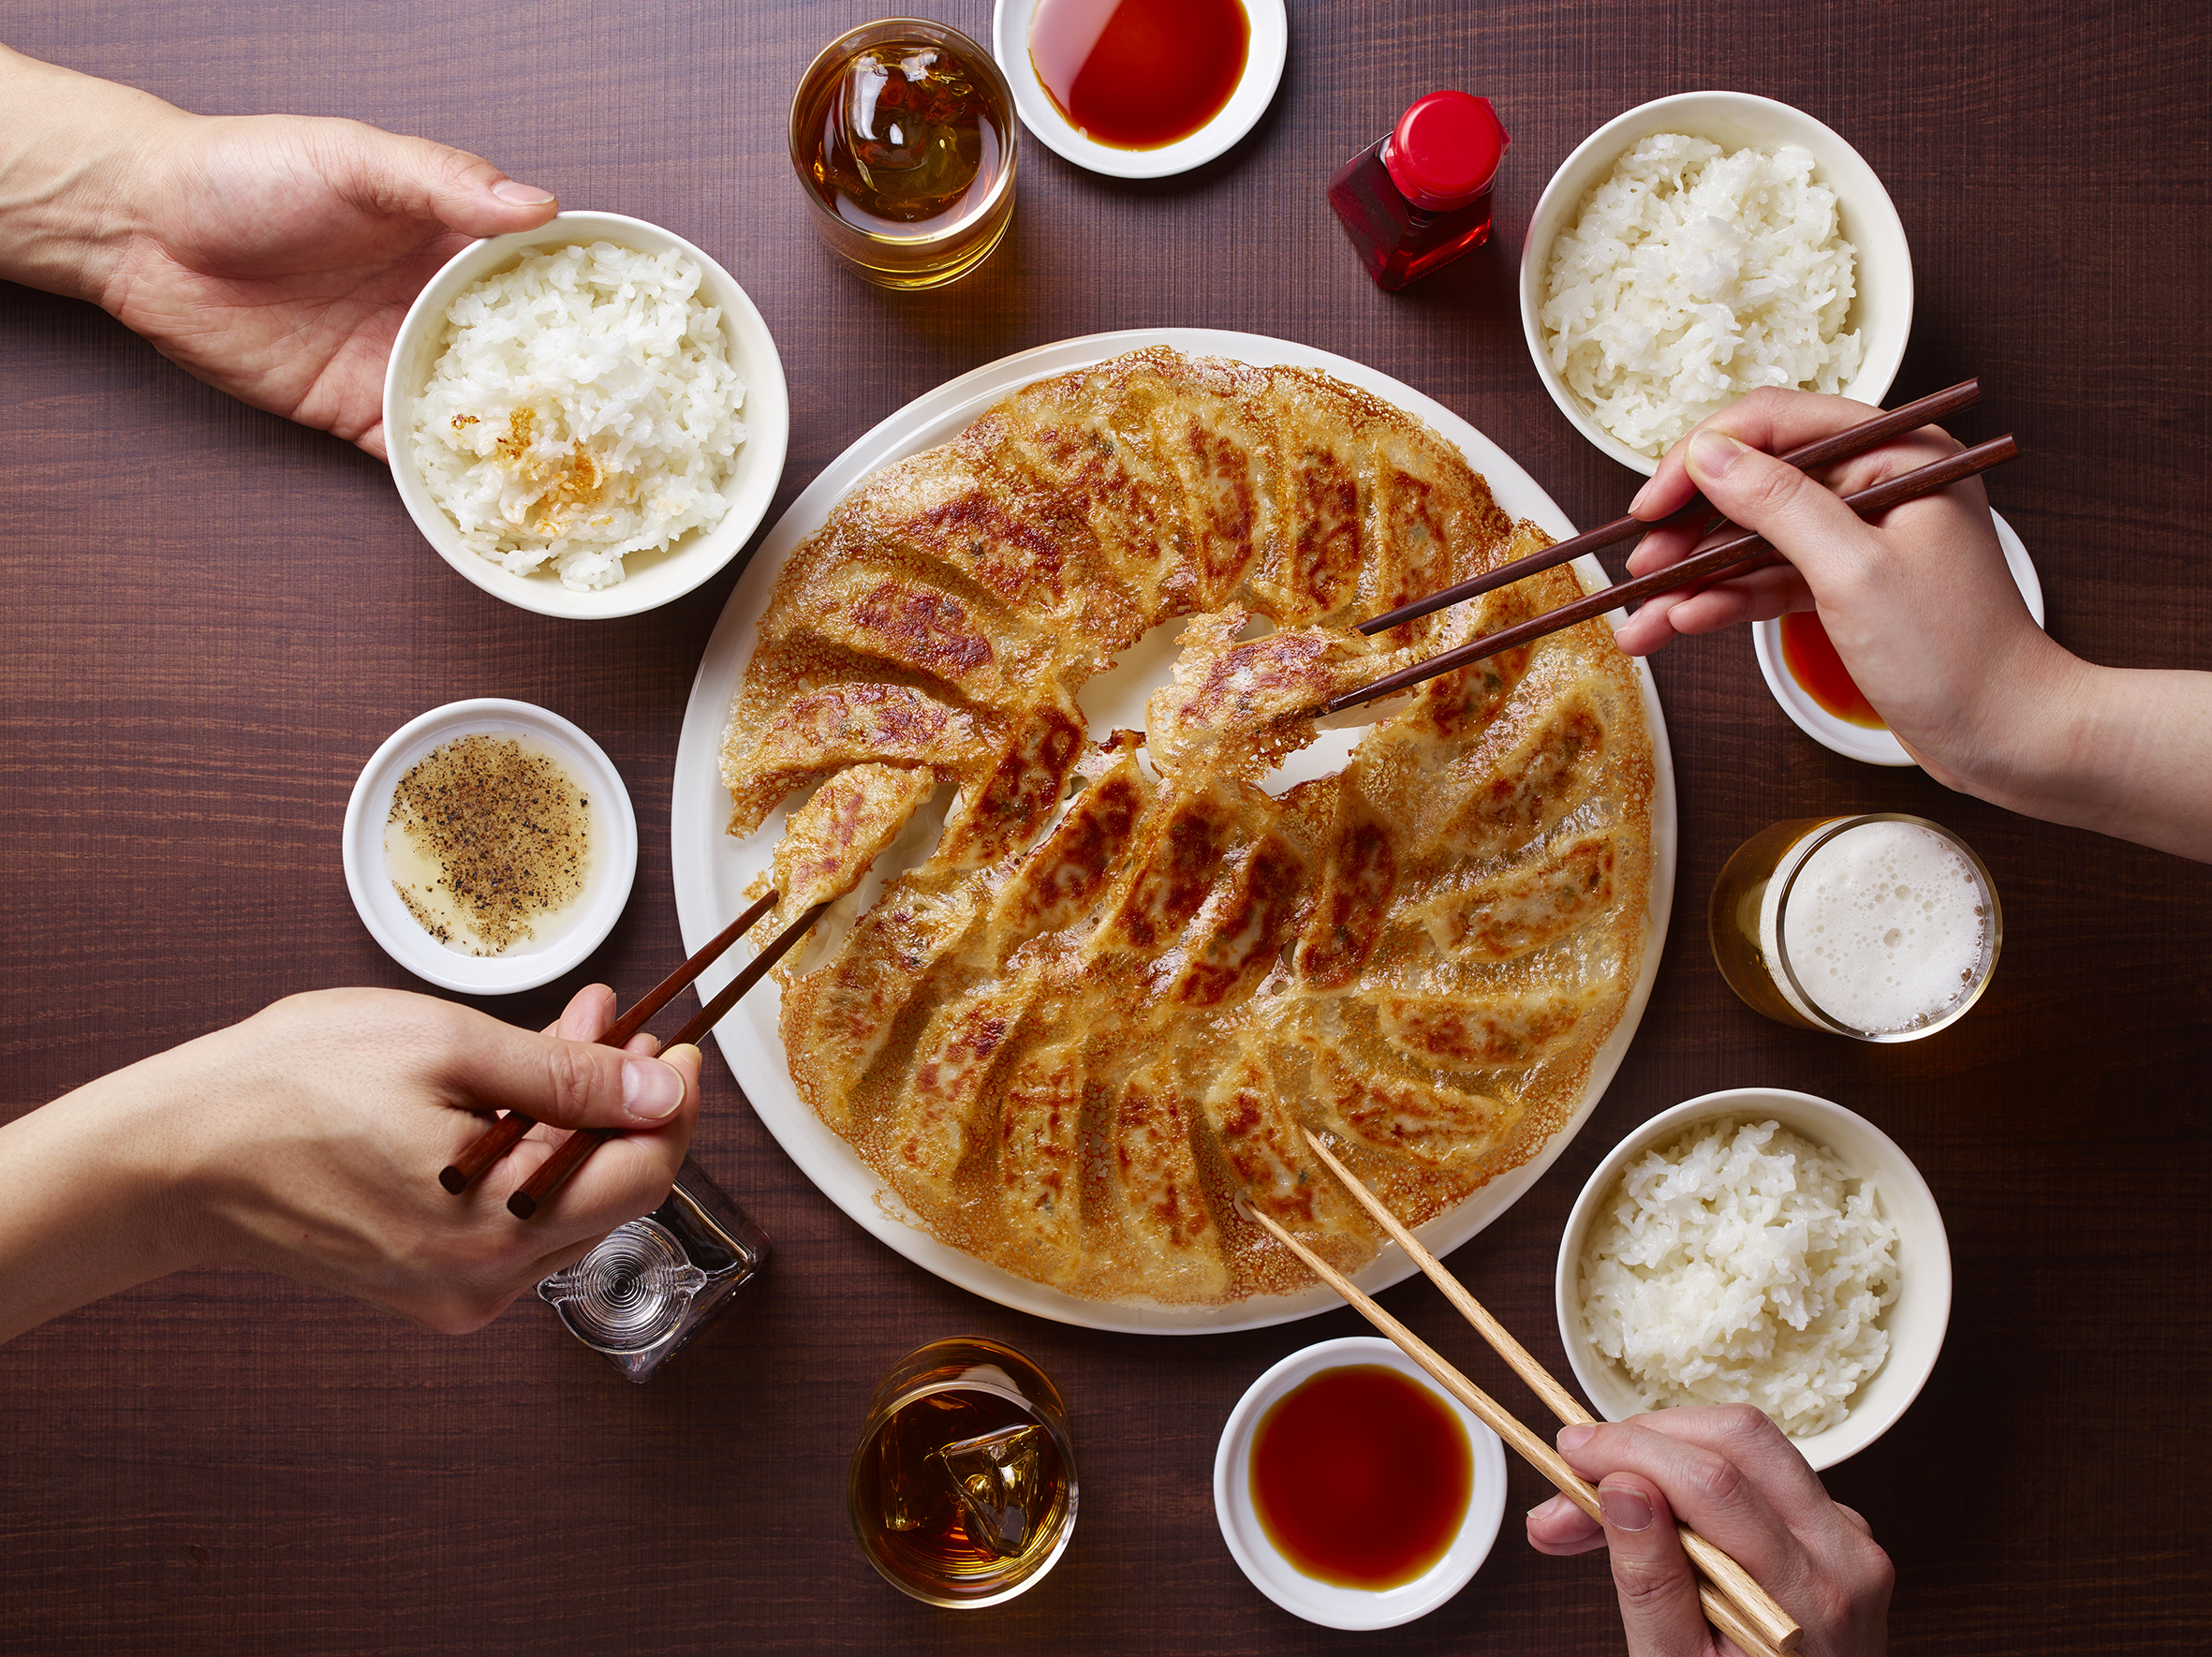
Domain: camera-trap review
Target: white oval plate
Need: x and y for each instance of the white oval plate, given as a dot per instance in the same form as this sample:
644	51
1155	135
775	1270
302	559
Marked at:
613	860
1309	1597
1916	1323
711	870
1264	70
651	578
1857	742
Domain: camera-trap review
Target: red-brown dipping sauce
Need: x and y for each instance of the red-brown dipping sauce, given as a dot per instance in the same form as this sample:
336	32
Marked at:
1361	1477
1137	74
1810	655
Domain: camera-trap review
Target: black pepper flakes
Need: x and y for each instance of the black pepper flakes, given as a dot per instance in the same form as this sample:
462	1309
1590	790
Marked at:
508	830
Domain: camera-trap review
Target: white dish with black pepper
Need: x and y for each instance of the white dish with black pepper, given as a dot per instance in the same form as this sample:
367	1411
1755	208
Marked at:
490	846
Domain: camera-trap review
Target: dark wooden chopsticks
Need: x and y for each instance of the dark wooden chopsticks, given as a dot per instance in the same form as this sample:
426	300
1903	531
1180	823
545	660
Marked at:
570	1154
1841	446
1742	552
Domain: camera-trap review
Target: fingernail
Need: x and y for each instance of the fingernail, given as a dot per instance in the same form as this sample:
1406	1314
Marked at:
650	1090
669	1057
520	194
1625	1510
1711	453
1636	506
1574	1437
1542	1509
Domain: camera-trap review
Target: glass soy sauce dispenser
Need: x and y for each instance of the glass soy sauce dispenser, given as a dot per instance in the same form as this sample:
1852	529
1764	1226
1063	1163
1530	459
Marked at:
1420	197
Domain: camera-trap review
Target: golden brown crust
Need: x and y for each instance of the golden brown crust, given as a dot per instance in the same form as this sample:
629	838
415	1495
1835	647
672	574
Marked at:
1068	1043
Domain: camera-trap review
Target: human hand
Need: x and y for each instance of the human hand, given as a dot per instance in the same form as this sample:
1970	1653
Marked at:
311	1136
275	256
1920	604
1730	1475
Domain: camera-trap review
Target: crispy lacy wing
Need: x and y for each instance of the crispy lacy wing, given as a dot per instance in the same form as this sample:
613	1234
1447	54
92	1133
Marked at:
830	841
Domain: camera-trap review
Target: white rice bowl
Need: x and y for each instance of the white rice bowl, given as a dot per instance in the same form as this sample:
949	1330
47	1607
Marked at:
584	407
1693	276
1742	1264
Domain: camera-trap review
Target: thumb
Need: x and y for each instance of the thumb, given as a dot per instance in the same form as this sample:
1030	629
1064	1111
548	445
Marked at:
387	172
1659	1595
1803	519
577	1084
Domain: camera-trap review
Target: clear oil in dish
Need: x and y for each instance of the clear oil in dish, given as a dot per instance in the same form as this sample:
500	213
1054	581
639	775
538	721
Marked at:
901	133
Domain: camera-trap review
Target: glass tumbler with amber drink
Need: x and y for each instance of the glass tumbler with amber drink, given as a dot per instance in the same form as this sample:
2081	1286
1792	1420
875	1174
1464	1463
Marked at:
963	1489
904	138
1883	927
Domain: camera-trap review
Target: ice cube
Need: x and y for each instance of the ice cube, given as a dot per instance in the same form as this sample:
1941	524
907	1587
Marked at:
998	1479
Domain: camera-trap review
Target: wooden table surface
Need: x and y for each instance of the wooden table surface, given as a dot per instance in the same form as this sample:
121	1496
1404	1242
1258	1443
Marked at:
216	616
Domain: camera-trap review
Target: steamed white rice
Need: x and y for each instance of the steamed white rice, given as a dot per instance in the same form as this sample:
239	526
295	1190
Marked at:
1743	1264
584	409
1692	276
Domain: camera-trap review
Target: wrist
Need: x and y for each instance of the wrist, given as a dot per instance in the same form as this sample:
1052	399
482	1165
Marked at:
74	157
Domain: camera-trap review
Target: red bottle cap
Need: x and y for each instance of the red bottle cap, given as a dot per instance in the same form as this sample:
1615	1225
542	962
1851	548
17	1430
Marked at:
1445	149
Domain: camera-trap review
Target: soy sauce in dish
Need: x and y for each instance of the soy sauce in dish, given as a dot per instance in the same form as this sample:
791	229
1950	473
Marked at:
1361	1476
1811	657
1137	74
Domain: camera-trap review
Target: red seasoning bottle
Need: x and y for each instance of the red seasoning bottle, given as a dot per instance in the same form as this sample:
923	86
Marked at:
1421	197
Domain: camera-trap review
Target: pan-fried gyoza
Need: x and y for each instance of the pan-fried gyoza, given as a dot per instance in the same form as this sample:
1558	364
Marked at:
1125	977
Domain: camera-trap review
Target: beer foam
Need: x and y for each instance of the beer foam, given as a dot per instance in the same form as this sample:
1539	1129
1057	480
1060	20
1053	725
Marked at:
1887	927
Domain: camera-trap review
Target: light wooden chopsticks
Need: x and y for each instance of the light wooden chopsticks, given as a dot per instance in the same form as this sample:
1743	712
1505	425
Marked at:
1733	1601
570	1154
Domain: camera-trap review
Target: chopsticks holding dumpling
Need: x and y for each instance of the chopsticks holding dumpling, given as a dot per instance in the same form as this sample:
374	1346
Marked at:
1739	554
1822	452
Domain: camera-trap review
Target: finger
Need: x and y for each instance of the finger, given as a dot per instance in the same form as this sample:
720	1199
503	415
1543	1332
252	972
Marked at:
1754	1443
627	1176
1562	1530
1768	419
387	172
1857	1519
568	1083
1706	1490
1659	1593
1666	616
586	1016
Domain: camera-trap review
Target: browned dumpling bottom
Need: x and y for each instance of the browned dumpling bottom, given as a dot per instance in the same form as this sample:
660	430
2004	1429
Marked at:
1127	979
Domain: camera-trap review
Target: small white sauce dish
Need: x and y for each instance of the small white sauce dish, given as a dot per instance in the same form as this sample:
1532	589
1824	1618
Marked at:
651	578
1916	1321
613	856
1860	741
1324	1603
1882	309
1265	56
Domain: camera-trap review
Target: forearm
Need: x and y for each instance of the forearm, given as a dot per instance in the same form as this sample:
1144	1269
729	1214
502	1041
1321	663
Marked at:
69	151
2124	752
88	1200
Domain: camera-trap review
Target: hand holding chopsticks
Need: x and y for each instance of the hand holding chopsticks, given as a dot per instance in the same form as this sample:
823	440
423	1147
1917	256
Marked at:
1732	1600
1738	553
570	1154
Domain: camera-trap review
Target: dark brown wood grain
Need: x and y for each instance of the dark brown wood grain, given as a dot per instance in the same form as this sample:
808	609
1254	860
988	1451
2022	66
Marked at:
213	618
